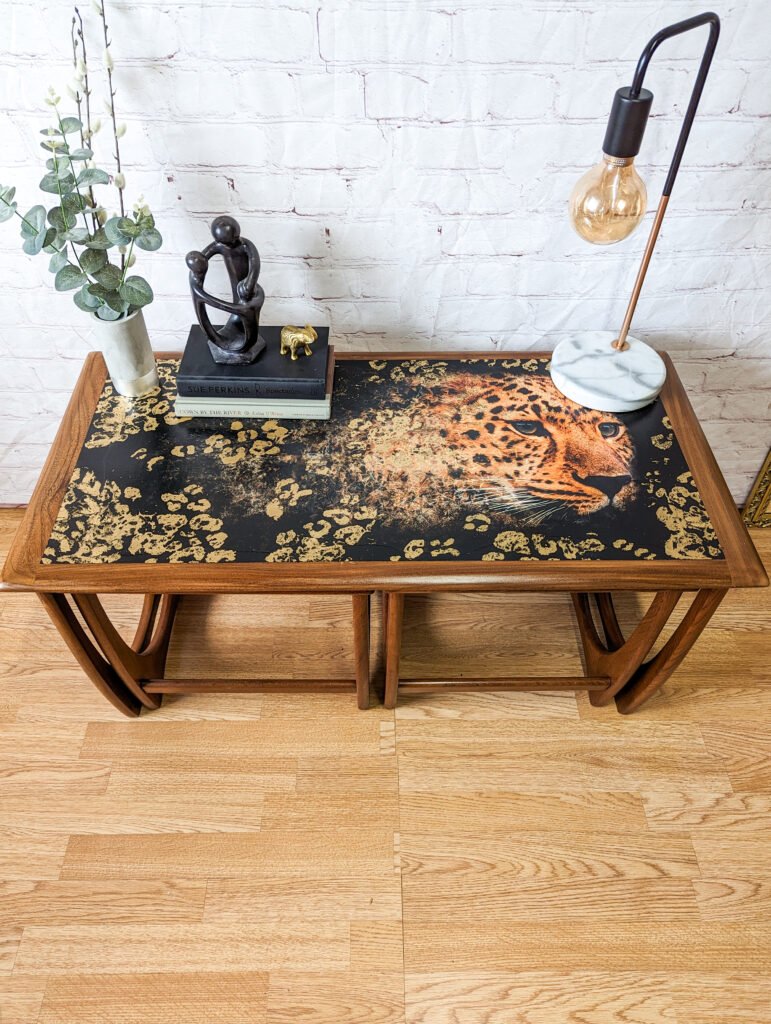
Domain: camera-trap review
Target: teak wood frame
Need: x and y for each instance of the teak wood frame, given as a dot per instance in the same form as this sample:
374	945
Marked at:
131	675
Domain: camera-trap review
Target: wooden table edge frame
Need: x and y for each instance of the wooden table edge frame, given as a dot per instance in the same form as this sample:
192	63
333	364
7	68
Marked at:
131	675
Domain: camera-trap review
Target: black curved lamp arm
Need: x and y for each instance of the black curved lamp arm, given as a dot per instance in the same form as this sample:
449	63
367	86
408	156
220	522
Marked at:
627	124
708	18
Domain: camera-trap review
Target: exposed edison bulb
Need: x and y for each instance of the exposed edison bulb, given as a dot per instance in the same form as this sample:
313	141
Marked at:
609	201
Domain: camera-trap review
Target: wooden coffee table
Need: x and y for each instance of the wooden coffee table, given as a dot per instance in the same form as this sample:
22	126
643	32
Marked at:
441	472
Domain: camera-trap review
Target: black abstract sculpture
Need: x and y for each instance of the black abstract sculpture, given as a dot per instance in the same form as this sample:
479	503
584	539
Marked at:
239	340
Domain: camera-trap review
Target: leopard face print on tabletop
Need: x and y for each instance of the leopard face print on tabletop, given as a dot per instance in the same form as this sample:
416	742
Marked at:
472	459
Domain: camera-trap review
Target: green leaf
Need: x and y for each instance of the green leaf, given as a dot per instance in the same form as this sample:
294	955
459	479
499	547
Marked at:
70	125
99	240
85	300
32	246
115	301
77	234
113	232
34	222
61	167
109	276
74	203
57	261
61	148
7	210
57	244
53	183
93	176
33	230
150	240
81	154
127	227
68	277
50	131
106	313
7	205
136	291
92	260
61	219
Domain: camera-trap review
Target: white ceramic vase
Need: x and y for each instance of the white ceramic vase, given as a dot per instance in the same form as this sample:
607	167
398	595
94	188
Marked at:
128	354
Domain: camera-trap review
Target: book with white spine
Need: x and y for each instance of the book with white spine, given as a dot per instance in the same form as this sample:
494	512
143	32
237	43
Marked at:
241	409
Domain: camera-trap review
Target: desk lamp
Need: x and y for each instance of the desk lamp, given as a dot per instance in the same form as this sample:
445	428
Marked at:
599	369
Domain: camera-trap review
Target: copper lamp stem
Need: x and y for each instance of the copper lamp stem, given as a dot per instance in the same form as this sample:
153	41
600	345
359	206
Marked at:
621	343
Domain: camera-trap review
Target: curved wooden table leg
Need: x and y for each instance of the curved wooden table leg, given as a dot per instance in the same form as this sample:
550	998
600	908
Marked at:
394	616
649	677
619	659
361	648
156	645
146	621
146	658
101	674
614	637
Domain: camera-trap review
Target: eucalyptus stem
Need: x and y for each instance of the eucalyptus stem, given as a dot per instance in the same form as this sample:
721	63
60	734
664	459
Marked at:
61	207
74	174
127	263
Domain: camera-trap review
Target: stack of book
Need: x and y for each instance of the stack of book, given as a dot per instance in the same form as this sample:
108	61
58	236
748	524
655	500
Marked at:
272	387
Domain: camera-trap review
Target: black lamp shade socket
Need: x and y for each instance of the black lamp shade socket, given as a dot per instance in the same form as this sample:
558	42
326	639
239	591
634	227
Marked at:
626	124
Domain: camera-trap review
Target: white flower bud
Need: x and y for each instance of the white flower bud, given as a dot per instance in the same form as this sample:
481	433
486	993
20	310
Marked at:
120	131
96	125
101	215
122	250
120	181
81	66
108	61
107	106
72	93
97	7
141	209
131	260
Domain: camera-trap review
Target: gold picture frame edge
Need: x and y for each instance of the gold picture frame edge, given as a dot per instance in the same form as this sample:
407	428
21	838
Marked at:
757	510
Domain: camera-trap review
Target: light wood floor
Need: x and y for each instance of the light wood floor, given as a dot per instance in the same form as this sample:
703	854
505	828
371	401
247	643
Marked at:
465	860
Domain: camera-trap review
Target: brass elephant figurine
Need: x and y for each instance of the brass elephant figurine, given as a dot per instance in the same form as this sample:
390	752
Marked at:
296	339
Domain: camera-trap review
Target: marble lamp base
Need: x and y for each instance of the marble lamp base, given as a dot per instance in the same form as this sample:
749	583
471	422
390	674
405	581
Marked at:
586	369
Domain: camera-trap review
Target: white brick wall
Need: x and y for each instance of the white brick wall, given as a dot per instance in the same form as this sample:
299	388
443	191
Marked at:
404	167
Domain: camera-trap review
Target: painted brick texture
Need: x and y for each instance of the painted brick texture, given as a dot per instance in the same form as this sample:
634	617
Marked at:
404	169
